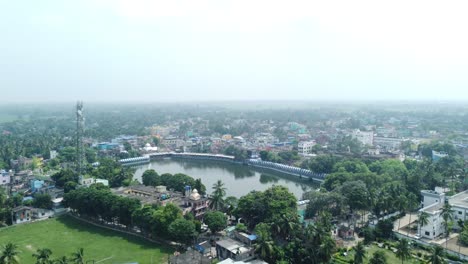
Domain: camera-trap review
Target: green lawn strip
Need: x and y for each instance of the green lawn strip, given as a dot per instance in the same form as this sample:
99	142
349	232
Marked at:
65	235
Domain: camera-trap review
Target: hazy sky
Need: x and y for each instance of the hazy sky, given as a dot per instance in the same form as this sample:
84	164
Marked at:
177	50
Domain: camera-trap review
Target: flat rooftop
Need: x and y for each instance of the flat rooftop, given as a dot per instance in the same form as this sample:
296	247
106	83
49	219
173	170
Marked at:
459	199
233	246
434	208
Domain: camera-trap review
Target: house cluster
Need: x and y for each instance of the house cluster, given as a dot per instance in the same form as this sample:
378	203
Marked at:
234	247
24	214
22	180
433	203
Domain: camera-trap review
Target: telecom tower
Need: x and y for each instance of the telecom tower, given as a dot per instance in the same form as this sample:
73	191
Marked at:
80	154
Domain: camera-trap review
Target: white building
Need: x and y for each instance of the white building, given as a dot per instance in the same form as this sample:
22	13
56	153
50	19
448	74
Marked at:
365	137
388	143
173	141
305	147
88	181
433	202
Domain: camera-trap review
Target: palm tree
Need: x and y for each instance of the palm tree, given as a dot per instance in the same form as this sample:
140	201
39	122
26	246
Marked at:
412	203
447	216
402	205
62	260
378	258
42	256
9	254
264	246
326	249
359	253
437	255
217	201
403	250
230	204
78	256
423	220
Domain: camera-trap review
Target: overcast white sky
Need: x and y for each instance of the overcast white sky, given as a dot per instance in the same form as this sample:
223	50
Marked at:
178	50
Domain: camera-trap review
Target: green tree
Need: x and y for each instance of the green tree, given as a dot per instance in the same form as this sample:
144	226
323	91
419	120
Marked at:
200	187
62	260
356	194
257	207
78	256
9	254
323	164
402	204
327	248
215	220
217	197
70	186
156	141
42	256
463	237
384	229
403	250
151	178
264	246
447	215
43	201
182	231
378	258
241	227
437	255
423	220
412	204
359	253
230	204
64	176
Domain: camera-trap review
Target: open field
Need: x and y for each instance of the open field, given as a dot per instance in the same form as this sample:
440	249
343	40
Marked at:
65	235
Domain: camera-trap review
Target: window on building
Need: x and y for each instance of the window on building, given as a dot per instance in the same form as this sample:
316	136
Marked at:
459	212
427	233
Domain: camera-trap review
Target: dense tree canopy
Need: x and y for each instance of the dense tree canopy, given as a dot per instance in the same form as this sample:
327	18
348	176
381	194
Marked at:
257	207
215	220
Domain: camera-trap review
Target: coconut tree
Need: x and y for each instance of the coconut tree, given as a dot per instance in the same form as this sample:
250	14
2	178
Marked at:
42	256
326	249
78	256
412	204
62	260
402	205
9	254
437	255
423	220
403	250
378	258
264	246
448	217
359	253
217	198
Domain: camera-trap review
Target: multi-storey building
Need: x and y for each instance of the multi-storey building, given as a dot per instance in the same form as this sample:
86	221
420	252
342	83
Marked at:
365	137
433	203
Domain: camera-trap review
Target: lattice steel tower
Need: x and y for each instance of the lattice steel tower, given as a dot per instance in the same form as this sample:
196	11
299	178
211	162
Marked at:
80	154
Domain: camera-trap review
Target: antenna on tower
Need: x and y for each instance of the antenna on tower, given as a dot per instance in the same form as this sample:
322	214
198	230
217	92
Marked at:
80	154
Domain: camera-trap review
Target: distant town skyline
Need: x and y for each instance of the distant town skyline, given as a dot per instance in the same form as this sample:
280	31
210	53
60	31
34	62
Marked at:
180	51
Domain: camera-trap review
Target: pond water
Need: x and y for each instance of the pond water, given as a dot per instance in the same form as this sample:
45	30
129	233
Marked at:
238	179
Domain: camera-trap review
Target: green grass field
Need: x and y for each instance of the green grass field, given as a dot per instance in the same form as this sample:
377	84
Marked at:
65	235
